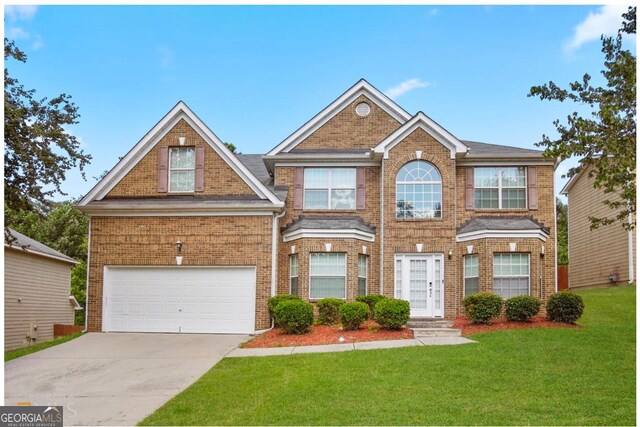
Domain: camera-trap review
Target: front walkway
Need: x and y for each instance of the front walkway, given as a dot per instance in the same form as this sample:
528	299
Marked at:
330	348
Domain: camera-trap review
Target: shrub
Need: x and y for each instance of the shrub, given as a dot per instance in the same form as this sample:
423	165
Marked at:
353	314
522	308
329	311
294	316
371	301
391	313
275	300
564	307
482	307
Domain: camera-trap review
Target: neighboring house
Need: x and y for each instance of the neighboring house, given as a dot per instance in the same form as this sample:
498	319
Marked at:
603	256
37	281
363	198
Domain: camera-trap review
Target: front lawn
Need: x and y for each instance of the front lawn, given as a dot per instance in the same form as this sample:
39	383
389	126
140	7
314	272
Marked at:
582	376
19	352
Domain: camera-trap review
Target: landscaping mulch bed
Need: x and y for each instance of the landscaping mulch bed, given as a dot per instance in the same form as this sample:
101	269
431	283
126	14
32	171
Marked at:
320	334
469	328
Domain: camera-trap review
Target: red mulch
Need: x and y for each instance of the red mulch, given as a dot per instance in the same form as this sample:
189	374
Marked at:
469	328
320	334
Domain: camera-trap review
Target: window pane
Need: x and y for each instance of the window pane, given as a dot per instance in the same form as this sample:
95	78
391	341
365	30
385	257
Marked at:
343	178
181	180
316	199
513	198
471	286
316	178
485	177
398	278
362	266
487	198
294	265
327	287
343	199
513	177
294	286
182	158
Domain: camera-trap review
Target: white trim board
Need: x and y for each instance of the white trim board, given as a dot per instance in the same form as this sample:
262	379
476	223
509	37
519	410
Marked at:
502	234
308	233
424	122
362	87
38	253
177	113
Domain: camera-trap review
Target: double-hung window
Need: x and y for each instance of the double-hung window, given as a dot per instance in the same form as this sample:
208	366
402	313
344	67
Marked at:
330	188
363	262
328	275
182	169
511	274
418	191
471	275
293	274
500	188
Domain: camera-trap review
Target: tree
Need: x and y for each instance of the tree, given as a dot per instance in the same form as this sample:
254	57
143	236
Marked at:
607	140
563	232
38	148
231	147
63	228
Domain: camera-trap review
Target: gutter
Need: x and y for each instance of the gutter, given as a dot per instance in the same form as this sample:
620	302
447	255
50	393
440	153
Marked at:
630	233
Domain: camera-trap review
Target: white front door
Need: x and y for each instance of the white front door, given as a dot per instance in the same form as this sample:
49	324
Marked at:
418	279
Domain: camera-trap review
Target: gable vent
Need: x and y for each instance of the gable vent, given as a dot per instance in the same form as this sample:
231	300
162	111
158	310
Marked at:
363	109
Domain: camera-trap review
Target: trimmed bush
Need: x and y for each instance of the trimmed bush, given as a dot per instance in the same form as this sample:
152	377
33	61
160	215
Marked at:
294	316
482	307
522	308
564	307
353	314
277	299
391	313
329	311
371	301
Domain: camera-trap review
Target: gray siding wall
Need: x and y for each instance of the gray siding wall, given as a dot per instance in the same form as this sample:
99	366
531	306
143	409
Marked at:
594	254
42	284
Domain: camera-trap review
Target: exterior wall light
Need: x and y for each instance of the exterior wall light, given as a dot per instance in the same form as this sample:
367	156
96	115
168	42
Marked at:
450	254
178	246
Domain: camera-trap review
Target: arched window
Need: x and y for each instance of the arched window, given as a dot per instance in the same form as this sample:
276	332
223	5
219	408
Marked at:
418	191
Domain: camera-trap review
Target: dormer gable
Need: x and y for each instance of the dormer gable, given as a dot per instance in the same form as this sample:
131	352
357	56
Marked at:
182	119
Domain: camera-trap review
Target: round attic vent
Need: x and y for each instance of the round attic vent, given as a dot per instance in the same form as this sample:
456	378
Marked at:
363	109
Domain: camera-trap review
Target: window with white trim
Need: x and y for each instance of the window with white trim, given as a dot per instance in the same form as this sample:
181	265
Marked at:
418	191
471	274
327	275
182	169
511	274
500	188
330	188
363	264
293	274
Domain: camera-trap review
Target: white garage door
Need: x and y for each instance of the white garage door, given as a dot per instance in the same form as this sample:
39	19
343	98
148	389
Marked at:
183	299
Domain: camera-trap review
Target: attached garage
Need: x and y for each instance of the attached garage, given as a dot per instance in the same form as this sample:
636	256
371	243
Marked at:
179	299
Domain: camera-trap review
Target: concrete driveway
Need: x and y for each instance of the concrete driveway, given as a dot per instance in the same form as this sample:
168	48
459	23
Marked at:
114	379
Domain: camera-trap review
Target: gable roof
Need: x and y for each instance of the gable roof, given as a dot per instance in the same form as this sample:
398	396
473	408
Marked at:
424	122
483	150
28	245
362	87
177	113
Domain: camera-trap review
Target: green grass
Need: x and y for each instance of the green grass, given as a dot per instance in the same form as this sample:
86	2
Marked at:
519	377
14	354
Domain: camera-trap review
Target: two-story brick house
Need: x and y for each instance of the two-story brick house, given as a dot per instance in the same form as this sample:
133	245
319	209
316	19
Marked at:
363	198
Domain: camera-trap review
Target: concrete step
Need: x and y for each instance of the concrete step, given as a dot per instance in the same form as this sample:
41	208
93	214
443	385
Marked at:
436	332
429	323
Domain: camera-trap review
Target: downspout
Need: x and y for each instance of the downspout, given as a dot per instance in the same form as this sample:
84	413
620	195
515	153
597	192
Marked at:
630	233
555	224
86	301
382	229
274	250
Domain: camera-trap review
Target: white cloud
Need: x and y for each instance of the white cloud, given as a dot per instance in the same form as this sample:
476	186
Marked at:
165	55
406	86
433	11
20	13
16	33
605	21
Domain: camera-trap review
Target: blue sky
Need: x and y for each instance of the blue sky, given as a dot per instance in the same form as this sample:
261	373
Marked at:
255	74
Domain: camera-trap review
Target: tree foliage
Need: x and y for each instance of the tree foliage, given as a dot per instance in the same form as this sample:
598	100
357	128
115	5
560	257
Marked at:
38	149
562	230
63	228
607	140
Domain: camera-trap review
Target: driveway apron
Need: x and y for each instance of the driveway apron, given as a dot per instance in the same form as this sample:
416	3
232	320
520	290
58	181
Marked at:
115	378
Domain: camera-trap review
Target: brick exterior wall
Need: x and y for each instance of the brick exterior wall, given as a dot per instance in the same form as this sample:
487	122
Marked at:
595	254
347	130
207	241
219	178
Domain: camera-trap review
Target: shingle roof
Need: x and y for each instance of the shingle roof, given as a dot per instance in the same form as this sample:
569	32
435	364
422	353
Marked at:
329	223
27	244
484	150
509	223
256	166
